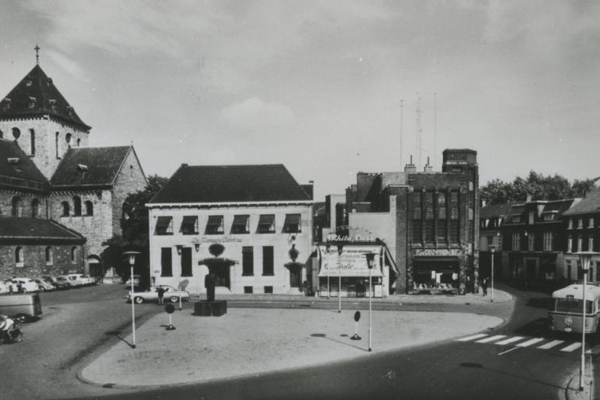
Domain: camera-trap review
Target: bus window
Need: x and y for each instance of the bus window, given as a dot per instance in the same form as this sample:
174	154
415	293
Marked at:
571	305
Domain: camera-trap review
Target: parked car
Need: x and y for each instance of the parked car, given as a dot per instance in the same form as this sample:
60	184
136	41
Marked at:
55	282
90	280
4	288
136	280
64	281
76	280
171	294
43	284
26	284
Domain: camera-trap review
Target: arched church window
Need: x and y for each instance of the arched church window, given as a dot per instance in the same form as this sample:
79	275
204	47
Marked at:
35	208
77	206
68	138
17	209
49	255
19	256
56	144
89	208
16	132
1	134
73	254
65	209
32	141
78	142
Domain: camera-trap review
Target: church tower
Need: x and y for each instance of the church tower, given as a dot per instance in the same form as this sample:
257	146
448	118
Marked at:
43	123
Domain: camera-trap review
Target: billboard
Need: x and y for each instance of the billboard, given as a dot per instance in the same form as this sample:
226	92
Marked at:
352	261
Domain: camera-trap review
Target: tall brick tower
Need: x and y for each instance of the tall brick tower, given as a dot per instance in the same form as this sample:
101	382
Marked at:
39	118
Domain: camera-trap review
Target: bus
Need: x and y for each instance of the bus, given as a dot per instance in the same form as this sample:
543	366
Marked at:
566	311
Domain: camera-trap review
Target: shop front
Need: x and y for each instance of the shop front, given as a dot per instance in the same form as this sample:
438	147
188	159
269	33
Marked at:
439	274
343	266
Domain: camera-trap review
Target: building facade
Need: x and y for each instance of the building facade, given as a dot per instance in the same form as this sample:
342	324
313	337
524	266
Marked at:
49	172
251	226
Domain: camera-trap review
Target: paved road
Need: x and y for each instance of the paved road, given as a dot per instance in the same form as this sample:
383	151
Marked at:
79	322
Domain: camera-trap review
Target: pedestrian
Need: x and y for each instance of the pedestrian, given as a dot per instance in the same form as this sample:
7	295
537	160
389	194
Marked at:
161	294
484	286
210	282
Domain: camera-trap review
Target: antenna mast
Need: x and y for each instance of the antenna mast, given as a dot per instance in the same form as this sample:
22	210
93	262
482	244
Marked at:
401	129
435	124
419	129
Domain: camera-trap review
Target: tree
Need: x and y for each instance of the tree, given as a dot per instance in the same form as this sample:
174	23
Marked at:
536	185
134	225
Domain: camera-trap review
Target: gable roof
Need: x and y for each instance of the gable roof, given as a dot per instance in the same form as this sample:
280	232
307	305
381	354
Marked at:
48	100
231	184
17	229
495	210
89	167
19	171
589	204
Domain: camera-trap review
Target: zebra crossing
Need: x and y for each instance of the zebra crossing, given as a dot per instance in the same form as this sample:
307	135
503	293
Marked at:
527	342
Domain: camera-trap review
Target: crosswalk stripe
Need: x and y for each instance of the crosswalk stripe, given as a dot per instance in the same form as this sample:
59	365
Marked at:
550	345
530	342
572	347
491	339
472	337
510	340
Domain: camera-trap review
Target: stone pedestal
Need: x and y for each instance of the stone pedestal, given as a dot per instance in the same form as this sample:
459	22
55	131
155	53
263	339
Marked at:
215	308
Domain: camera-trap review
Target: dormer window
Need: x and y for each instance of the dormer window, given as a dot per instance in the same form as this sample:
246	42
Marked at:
70	110
13	160
49	82
52	104
82	167
6	103
516	219
32	102
29	81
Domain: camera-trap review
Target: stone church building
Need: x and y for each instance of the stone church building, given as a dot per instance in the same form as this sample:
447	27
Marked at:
59	199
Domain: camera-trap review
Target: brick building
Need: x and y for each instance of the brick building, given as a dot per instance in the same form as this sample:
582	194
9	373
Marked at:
428	222
491	219
48	172
250	225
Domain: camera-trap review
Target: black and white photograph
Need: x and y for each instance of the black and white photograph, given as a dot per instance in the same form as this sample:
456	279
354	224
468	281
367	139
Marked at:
262	199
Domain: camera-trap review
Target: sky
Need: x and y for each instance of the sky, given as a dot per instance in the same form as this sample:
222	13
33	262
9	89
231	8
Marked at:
327	88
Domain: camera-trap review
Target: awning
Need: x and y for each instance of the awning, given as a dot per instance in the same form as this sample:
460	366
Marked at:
241	224
351	263
266	223
163	225
215	224
292	223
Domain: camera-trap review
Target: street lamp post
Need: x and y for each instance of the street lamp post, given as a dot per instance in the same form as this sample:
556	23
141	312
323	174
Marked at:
340	250
131	256
492	249
585	258
370	260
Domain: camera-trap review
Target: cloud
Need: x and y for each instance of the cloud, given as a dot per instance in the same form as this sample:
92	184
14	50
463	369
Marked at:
257	115
69	65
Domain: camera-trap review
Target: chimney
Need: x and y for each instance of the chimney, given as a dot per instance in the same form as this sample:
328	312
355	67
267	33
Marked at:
410	168
428	168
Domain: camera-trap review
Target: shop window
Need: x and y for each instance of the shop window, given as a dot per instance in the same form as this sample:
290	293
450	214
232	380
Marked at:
186	261
292	223
266	224
215	225
189	225
19	256
247	261
49	256
268	289
241	224
17	207
268	261
166	261
89	208
77	206
65	209
248	290
74	254
164	226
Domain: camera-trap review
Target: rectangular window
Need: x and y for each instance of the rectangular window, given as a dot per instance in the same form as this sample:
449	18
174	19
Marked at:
454	205
531	242
189	225
215	225
580	223
548	241
428	205
268	289
268	261
266	224
247	261
453	234
580	243
516	242
417	231
591	243
591	222
164	226
516	219
570	223
549	217
292	223
186	261
166	261
417	210
248	289
570	244
531	218
241	224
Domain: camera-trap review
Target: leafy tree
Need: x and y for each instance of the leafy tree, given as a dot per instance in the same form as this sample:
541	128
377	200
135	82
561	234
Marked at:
135	232
536	185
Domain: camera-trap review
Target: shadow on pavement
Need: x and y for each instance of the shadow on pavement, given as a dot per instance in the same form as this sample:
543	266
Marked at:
117	334
480	366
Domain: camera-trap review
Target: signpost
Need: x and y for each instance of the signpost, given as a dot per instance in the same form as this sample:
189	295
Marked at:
370	262
170	309
131	255
356	319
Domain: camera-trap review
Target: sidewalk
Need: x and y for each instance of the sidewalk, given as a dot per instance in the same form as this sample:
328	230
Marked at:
252	341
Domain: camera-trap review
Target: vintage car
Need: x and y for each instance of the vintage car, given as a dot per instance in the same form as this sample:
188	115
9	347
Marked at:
170	294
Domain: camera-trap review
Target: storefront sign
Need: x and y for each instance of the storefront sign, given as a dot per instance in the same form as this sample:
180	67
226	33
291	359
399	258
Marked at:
438	253
221	240
352	262
356	238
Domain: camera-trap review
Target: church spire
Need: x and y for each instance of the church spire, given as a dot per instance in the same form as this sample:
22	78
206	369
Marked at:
37	54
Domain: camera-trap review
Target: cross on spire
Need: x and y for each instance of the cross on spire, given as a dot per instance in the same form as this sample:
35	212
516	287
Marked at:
37	54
